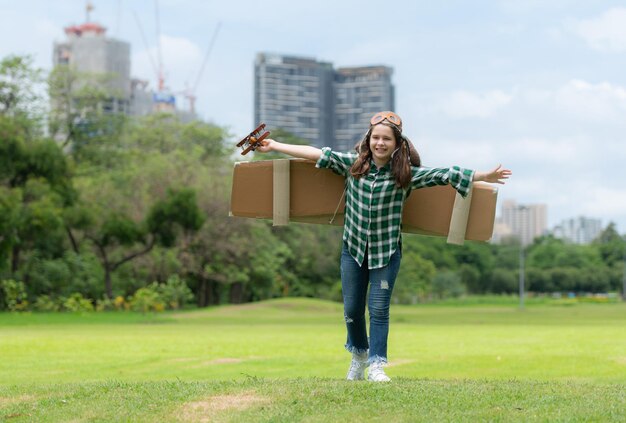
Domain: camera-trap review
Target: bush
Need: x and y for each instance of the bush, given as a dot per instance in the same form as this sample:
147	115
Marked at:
116	304
503	281
77	303
539	280
64	275
448	284
175	293
14	295
414	280
46	304
147	299
470	278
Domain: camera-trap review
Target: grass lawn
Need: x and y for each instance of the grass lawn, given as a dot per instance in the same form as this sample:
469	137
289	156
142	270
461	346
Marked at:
283	360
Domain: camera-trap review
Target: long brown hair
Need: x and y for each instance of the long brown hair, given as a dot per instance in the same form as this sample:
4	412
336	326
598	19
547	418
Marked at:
403	157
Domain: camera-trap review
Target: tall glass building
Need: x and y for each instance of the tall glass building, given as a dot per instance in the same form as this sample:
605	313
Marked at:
359	93
312	100
294	94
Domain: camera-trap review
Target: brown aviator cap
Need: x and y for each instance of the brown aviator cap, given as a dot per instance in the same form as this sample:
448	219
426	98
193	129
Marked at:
395	120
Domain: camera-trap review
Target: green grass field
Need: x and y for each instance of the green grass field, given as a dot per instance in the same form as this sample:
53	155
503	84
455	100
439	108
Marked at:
283	360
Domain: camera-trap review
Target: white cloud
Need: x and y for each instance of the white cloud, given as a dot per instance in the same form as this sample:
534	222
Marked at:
606	202
606	32
181	62
447	152
529	7
465	104
541	188
594	102
35	39
587	102
550	154
510	28
368	51
545	151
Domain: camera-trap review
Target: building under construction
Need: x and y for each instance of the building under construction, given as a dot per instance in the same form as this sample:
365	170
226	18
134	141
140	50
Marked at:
89	51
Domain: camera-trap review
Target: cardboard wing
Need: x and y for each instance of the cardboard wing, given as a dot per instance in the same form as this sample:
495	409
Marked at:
295	190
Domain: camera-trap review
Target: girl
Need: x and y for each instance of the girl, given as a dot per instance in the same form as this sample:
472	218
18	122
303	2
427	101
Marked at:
380	176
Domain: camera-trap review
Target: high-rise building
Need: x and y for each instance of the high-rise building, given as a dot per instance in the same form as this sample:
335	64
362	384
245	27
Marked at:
310	99
580	230
524	222
359	93
294	94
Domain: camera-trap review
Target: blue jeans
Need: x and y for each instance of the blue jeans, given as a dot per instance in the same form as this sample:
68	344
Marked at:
355	281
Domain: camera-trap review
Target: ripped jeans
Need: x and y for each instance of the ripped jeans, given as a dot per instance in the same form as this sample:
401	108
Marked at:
355	281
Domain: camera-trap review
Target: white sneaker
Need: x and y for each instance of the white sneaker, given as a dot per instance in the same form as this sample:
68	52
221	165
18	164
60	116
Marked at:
377	374
357	368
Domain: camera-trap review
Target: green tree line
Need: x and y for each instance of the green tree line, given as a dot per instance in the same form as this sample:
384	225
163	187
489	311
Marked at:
98	208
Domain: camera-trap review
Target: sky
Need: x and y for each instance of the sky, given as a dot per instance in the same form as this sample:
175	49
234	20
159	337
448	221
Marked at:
538	86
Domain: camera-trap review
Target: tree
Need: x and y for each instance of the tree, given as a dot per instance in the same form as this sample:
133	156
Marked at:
18	92
448	284
507	255
37	181
543	252
248	262
414	281
10	201
118	209
502	281
434	249
80	118
35	177
565	278
165	133
610	245
555	265
40	222
470	277
119	239
479	256
313	259
539	280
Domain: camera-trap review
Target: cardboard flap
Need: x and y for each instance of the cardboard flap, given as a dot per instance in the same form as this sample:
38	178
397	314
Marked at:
280	192
314	194
458	221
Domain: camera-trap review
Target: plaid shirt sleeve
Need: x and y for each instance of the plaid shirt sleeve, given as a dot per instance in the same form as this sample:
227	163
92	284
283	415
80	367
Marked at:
340	163
459	178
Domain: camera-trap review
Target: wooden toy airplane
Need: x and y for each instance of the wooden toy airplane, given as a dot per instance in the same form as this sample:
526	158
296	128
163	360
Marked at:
253	140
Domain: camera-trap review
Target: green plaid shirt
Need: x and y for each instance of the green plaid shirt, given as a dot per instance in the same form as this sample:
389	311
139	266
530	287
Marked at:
373	215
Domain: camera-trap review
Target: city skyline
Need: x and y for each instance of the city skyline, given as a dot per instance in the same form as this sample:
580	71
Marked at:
538	87
525	222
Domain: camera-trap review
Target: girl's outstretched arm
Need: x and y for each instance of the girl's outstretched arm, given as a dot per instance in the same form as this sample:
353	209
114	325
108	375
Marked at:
496	176
299	151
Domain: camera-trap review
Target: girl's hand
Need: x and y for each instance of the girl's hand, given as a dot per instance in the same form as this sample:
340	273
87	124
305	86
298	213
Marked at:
496	176
266	146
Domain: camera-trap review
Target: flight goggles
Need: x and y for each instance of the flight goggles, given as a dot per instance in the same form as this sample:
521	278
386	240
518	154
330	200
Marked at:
390	117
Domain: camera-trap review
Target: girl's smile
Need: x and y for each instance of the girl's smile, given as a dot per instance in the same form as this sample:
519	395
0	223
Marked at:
382	144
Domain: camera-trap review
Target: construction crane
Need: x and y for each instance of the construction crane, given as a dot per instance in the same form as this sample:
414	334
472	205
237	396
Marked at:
163	98
190	92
